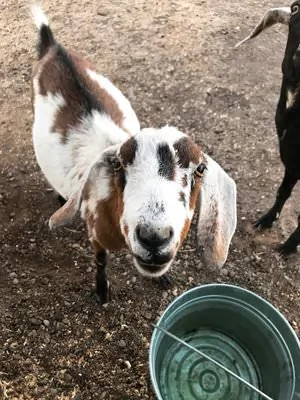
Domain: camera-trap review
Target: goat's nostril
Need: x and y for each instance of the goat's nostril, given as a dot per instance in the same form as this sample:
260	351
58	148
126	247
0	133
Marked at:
153	238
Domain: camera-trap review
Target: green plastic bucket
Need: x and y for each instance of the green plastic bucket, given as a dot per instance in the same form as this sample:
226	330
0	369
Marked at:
238	329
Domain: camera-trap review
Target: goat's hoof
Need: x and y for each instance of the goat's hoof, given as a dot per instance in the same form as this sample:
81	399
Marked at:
95	296
286	249
165	281
101	298
265	222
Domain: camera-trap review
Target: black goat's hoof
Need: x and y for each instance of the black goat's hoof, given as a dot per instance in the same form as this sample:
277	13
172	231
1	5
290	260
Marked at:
265	222
101	298
165	281
286	249
95	297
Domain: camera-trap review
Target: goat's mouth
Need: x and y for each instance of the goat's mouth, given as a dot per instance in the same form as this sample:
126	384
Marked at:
151	268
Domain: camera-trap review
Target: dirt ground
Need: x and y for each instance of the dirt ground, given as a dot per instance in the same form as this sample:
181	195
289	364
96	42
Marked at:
176	62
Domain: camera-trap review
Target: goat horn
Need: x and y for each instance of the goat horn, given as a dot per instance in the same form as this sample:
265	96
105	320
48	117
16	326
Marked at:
273	16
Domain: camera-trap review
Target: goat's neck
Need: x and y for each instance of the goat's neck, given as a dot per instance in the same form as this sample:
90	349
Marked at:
95	134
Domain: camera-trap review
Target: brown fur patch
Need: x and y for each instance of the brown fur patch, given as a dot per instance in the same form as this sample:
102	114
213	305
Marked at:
103	97
127	151
104	226
96	246
213	242
126	230
55	77
187	152
36	70
195	193
185	230
194	196
65	214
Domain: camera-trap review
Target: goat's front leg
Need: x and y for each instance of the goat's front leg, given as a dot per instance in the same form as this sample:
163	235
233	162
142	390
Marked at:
102	292
165	281
283	193
290	246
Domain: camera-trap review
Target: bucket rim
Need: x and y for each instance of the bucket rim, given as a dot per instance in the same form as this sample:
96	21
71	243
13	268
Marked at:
263	301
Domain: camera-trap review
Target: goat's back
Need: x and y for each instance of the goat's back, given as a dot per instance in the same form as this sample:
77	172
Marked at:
77	115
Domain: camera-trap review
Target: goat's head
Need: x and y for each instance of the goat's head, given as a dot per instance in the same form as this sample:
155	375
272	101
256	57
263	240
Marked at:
153	181
163	173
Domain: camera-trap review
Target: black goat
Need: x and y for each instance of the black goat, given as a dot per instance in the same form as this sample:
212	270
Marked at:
287	118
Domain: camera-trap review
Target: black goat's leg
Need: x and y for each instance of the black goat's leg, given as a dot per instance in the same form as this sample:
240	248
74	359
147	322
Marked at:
102	293
61	200
283	193
290	246
165	281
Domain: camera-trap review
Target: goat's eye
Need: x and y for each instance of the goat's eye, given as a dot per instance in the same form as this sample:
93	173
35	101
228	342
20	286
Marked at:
200	170
295	9
117	166
113	162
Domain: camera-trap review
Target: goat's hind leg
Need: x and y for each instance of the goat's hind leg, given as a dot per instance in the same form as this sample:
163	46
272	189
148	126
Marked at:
283	193
102	292
290	245
61	200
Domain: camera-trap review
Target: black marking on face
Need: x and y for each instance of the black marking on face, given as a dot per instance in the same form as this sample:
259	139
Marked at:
160	207
184	180
157	208
182	198
166	163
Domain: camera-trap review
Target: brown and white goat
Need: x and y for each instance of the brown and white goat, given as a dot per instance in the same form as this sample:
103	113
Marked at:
135	189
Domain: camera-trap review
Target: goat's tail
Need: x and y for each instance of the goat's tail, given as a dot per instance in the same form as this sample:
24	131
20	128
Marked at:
46	38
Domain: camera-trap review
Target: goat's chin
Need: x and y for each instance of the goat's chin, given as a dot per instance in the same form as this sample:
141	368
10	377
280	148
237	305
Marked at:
151	271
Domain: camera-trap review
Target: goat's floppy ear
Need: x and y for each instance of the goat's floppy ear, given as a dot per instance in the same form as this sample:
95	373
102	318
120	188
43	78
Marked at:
273	16
217	214
66	214
97	177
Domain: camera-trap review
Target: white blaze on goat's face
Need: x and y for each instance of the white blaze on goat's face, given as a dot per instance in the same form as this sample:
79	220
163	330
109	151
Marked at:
159	195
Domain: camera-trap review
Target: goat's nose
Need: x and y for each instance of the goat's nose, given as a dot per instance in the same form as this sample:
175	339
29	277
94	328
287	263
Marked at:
153	238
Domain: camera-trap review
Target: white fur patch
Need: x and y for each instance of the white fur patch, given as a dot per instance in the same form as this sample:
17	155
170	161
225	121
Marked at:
38	15
149	274
290	98
50	153
167	134
65	164
130	121
99	187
